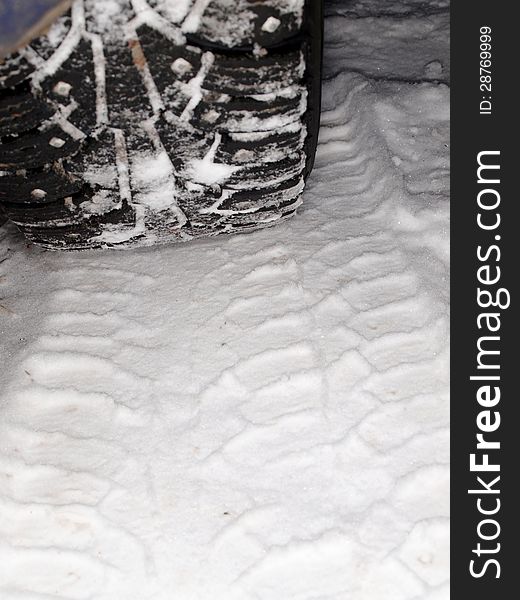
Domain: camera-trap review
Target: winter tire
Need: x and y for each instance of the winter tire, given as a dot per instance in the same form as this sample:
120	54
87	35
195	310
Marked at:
135	122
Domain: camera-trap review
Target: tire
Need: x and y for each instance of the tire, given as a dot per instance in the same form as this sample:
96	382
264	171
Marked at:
132	123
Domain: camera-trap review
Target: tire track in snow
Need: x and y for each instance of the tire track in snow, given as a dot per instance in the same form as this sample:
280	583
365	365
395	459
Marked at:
59	441
255	417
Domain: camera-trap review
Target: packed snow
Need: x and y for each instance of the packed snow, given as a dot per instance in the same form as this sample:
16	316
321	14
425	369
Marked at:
258	417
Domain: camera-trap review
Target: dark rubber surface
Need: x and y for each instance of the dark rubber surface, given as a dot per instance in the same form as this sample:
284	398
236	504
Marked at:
131	129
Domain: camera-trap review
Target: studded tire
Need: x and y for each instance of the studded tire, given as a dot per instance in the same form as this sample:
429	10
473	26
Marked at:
136	122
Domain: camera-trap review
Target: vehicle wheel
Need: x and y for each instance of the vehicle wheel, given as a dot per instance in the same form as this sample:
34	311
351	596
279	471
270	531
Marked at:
134	122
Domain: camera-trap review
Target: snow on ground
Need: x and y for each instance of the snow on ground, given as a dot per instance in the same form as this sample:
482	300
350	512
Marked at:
255	417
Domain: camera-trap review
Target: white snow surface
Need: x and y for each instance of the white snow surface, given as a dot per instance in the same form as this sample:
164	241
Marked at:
259	417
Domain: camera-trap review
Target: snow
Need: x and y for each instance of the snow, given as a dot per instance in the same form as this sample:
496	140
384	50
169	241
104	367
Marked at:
261	416
153	176
209	172
193	19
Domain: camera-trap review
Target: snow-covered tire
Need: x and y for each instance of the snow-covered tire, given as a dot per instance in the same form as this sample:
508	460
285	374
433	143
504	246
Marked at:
135	122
